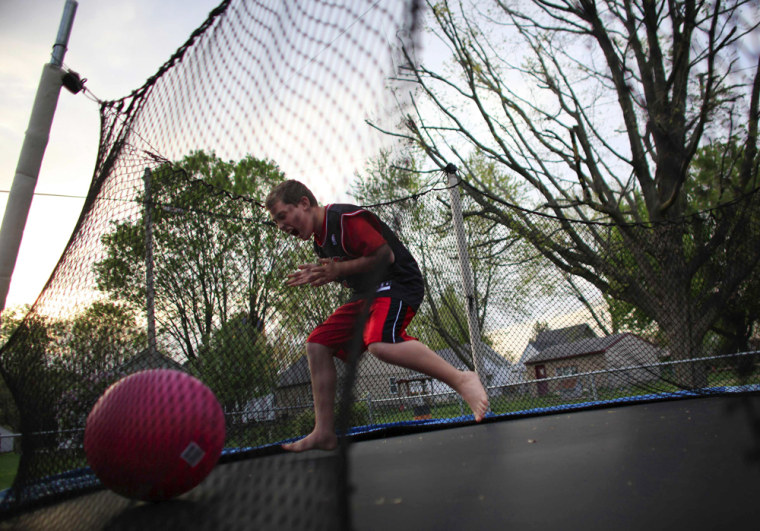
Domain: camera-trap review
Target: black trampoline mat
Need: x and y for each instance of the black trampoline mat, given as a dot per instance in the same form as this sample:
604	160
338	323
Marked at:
686	464
284	491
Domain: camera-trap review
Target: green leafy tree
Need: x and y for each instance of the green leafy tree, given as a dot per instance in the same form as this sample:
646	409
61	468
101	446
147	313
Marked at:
235	363
24	361
714	180
425	225
538	328
12	319
600	109
101	338
213	256
443	322
93	345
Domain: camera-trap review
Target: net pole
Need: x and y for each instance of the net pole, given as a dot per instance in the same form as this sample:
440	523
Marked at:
476	344
64	31
149	287
32	152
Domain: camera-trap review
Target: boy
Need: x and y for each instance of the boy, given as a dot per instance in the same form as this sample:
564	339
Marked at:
352	244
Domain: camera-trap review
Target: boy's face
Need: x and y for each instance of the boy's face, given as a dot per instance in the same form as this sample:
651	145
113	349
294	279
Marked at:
294	219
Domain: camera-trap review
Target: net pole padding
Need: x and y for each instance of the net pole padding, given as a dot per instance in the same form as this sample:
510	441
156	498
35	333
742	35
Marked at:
476	343
149	286
32	153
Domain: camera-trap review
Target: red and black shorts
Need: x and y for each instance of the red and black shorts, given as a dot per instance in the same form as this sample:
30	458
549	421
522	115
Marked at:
387	322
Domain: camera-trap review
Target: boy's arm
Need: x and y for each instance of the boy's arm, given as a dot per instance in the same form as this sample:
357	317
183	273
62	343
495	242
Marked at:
327	270
363	241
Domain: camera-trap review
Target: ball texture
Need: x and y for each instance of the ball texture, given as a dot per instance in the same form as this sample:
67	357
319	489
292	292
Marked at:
154	434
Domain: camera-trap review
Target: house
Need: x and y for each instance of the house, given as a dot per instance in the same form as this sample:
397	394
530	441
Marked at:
149	359
375	380
259	409
294	387
384	384
7	439
293	393
569	334
625	358
544	340
494	370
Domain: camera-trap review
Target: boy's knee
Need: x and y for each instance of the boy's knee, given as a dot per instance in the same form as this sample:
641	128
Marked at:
315	349
379	350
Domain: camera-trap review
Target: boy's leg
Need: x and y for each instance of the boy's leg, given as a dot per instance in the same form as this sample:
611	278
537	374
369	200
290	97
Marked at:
386	337
323	381
419	357
336	330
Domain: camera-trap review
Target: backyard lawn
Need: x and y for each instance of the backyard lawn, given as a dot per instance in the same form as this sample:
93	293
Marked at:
8	466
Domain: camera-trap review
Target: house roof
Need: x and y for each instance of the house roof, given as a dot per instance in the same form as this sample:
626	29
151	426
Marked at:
298	373
449	355
569	334
295	374
489	355
149	359
583	347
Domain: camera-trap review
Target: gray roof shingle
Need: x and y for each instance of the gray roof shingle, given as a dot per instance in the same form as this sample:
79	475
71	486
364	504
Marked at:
569	334
583	347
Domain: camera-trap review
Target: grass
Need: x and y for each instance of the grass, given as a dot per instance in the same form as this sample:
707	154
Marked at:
8	467
522	402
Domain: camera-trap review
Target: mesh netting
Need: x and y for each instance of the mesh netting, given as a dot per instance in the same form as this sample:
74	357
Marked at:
174	263
261	89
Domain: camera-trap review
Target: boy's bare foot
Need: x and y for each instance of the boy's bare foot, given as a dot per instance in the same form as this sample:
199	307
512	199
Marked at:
313	441
474	394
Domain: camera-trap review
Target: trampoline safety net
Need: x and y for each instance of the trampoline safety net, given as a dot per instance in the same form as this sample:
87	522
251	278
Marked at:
176	264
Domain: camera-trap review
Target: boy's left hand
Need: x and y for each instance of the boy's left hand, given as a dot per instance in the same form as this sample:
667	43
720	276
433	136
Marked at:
319	274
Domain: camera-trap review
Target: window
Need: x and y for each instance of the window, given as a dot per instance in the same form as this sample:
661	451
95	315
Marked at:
567	371
394	386
569	385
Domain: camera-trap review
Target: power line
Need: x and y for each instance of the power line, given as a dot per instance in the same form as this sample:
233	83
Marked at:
50	195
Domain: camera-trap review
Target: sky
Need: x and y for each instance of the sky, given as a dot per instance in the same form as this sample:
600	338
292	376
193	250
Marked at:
116	45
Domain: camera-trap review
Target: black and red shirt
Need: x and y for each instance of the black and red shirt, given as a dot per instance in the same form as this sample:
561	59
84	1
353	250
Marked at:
351	232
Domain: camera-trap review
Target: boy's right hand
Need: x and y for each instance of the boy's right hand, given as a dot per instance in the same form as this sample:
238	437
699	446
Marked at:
316	275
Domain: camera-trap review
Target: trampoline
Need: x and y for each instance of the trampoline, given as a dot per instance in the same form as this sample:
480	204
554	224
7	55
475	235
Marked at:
691	463
567	310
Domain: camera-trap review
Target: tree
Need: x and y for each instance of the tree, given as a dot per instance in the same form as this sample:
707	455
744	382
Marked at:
12	319
77	357
25	361
99	339
235	363
93	345
600	108
538	328
213	256
713	178
425	225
